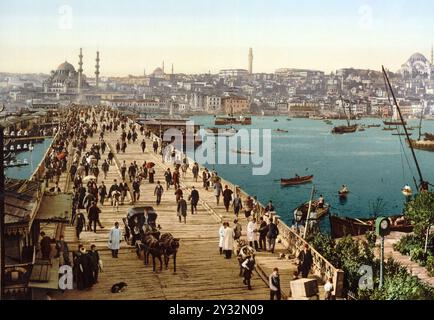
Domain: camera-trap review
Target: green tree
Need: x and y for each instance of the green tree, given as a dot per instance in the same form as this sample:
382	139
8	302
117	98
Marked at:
420	211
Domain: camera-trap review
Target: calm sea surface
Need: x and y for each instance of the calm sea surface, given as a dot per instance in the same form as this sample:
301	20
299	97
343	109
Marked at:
34	158
373	164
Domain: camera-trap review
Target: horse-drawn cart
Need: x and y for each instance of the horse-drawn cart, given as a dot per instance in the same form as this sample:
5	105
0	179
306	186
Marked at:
140	220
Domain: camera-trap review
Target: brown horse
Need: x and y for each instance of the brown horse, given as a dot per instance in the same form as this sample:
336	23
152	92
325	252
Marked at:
152	246
171	246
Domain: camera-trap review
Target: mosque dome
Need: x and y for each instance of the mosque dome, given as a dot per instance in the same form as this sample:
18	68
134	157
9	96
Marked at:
418	57
66	66
158	72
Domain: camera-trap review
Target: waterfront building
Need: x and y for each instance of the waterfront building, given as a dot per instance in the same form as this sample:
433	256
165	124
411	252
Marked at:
141	105
235	105
213	103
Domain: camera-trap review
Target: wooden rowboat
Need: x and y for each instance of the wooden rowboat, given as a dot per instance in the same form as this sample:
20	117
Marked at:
300	213
345	129
296	181
345	226
429	136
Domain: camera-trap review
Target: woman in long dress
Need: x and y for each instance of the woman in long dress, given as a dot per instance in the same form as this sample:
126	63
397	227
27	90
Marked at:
228	241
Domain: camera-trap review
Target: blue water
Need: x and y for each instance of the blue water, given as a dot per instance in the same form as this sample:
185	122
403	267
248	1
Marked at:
34	158
371	163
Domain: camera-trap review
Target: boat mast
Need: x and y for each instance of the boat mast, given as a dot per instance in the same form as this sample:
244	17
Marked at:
343	107
403	124
420	121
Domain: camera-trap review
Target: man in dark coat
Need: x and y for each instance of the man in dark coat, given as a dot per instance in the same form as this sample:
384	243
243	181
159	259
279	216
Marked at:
102	192
94	258
81	222
227	197
168	178
136	190
83	269
273	232
305	261
143	145
182	209
263	230
93	217
194	199
248	266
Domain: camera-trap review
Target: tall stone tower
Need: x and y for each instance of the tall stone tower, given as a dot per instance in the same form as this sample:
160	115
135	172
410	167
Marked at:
250	61
80	70
97	70
432	54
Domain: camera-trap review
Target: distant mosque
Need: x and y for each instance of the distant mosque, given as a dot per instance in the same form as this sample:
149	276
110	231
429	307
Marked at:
418	66
65	79
159	72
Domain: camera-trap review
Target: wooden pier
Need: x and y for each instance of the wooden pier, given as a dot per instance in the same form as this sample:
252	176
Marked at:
202	273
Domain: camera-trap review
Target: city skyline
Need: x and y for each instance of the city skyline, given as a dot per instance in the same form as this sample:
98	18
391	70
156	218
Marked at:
198	37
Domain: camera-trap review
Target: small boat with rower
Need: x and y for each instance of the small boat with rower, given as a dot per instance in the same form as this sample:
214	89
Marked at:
320	211
297	180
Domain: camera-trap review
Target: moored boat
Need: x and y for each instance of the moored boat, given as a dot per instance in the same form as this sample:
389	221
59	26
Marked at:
345	129
394	123
219	121
221	132
296	181
345	226
400	134
300	213
426	145
282	131
429	136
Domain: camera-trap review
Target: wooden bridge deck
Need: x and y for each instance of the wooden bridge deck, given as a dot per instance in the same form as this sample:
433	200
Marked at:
202	273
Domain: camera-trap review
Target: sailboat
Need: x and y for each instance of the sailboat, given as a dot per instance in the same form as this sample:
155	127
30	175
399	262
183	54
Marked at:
348	128
427	144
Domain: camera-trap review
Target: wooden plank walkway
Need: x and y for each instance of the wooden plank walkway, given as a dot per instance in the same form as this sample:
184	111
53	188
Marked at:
202	273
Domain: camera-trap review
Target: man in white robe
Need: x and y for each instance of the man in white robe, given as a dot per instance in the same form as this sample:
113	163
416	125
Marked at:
221	237
252	233
228	241
114	242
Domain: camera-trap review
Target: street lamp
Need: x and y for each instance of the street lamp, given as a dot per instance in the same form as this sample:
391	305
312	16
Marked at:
382	229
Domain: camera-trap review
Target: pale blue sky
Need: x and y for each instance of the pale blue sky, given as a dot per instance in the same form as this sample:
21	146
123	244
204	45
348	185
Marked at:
202	35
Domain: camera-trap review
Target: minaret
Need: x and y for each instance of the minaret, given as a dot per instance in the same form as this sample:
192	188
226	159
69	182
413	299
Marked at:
250	60
432	54
80	70
97	70
172	69
163	66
